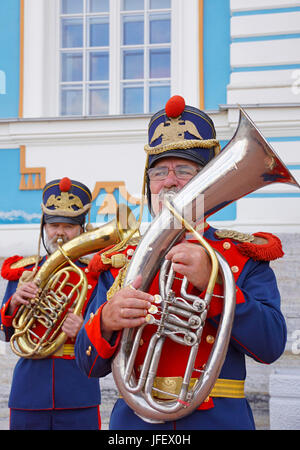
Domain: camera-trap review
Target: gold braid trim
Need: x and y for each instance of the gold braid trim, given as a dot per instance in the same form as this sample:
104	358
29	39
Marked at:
124	243
117	248
64	212
184	145
118	283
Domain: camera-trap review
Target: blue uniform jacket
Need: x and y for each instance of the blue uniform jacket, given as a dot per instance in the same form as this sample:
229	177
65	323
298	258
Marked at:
53	382
259	331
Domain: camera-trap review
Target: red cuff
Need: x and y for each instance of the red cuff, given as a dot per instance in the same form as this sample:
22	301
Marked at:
93	331
6	319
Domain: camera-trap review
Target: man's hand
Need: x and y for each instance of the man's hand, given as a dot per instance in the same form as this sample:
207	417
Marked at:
192	261
72	324
24	293
126	309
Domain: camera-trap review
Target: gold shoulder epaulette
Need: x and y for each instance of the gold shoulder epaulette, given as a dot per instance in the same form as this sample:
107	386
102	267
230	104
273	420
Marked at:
26	261
258	246
235	235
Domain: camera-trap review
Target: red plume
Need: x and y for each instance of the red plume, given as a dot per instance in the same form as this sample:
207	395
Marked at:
65	184
175	106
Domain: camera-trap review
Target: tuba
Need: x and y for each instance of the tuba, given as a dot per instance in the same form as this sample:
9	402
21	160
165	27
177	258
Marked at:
246	164
63	285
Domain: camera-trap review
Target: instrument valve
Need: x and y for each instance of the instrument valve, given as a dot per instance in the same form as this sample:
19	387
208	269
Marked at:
194	321
149	319
190	339
153	309
199	305
157	299
171	298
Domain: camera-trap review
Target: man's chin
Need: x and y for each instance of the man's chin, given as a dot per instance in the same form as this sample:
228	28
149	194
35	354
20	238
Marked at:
52	247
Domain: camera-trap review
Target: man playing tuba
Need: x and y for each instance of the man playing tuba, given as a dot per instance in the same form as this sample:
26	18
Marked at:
182	141
51	393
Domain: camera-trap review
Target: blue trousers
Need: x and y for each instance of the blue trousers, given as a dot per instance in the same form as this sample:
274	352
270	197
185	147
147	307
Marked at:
56	419
228	414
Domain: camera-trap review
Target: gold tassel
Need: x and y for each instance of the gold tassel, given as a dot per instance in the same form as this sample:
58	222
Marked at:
118	283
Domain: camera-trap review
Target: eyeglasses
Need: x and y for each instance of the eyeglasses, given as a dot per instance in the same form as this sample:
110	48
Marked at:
182	172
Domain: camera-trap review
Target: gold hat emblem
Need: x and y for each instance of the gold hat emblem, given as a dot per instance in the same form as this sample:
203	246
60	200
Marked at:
65	201
173	129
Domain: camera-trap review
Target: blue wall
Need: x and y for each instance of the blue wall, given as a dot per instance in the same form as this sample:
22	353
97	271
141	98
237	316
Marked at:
16	206
216	49
9	57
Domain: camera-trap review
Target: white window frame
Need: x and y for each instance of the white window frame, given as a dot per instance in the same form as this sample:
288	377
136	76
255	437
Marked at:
146	47
85	83
42	56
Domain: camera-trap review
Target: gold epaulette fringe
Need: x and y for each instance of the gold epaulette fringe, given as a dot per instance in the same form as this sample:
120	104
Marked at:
26	261
235	235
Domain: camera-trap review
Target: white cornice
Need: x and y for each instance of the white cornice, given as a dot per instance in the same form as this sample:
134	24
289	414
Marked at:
61	130
272	120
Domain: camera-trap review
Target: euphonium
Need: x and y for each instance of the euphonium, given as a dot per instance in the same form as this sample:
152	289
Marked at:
58	294
246	164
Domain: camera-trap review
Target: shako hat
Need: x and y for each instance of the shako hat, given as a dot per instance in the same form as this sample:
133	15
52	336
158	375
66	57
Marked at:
181	131
66	200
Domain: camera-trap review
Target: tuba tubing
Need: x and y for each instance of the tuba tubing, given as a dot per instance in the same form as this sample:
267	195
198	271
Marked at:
246	164
61	263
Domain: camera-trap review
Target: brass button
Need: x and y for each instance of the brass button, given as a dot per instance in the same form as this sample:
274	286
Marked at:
226	245
235	269
210	339
88	351
141	342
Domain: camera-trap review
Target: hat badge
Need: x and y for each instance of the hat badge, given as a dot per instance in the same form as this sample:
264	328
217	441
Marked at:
66	200
173	129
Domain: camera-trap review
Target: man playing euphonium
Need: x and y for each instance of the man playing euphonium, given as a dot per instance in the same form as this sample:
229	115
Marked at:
182	141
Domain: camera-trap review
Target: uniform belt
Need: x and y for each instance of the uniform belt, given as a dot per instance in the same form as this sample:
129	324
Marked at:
222	388
65	350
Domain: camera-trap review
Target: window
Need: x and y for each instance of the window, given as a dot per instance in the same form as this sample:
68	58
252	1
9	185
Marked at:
145	54
90	56
84	57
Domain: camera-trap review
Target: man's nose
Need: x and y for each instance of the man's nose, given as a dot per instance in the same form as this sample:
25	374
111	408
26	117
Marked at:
60	231
171	179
